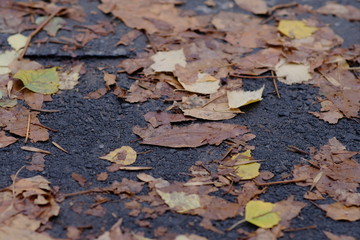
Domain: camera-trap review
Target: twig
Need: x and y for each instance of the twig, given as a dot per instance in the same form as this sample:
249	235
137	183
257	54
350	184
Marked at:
48	128
59	147
44	110
281	182
37	30
28	128
153	47
14	181
275	85
297	150
300	229
255	77
212	100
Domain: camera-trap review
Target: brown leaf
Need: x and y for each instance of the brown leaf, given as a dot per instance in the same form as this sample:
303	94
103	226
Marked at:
79	179
254	6
6	140
96	94
332	236
102	176
37	162
348	12
97	211
338	211
128	37
194	135
110	79
163	118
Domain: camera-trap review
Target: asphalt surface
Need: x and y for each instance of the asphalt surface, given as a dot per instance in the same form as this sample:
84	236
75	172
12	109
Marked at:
91	128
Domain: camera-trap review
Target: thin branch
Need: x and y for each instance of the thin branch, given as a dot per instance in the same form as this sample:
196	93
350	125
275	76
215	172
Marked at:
281	182
38	29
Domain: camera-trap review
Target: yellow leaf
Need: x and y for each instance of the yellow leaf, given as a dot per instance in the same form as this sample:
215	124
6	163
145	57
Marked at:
260	214
17	41
45	81
245	171
180	201
124	156
296	29
240	97
166	61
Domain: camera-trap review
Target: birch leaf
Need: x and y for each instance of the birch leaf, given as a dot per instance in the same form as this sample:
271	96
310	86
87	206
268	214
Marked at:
240	97
293	73
124	156
45	81
245	171
166	61
260	214
17	41
296	29
180	201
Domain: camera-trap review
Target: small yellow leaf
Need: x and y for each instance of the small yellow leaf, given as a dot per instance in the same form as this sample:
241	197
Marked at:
248	170
180	201
6	58
17	41
124	156
260	214
240	97
295	29
45	81
166	61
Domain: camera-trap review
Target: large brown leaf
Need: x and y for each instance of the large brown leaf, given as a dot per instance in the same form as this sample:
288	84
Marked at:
189	136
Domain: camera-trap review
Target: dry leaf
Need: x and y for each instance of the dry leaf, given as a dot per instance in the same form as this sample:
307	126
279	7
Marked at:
180	201
348	12
6	140
166	61
332	236
293	73
338	211
17	41
110	79
124	156
295	29
189	136
254	6
241	98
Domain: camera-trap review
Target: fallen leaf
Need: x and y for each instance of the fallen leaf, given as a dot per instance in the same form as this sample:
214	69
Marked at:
79	179
34	149
243	168
254	6
124	156
329	112
180	201
53	26
332	236
6	59
37	162
348	12
70	78
338	211
261	214
194	135
166	61
239	98
17	41
293	73
204	84
45	81
110	79
6	140
295	29
128	38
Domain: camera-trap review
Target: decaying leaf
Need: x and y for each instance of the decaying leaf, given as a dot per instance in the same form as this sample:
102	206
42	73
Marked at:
295	29
45	81
261	214
6	59
124	156
204	84
329	112
189	136
241	98
53	26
